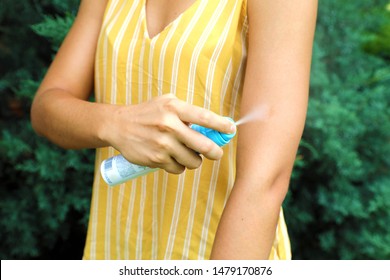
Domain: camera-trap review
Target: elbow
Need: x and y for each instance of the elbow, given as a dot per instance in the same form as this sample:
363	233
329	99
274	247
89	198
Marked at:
40	125
276	188
279	188
40	120
50	122
35	117
271	187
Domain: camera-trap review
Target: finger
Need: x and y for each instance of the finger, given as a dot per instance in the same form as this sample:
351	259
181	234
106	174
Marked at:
169	148
193	114
170	154
186	157
166	162
173	167
198	142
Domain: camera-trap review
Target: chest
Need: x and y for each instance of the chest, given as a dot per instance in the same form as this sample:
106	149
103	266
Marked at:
196	51
161	13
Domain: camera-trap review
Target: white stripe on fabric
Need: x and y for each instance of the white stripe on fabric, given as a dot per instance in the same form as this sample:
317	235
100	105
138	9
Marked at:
214	59
190	94
105	48
225	85
95	203
175	217
140	78
130	56
181	43
190	224
208	91
209	211
107	241
150	69
142	202
155	185
118	221
198	48
175	71
163	198
239	75
110	12
117	45
108	226
141	219
161	64
129	220
155	218
230	147
95	211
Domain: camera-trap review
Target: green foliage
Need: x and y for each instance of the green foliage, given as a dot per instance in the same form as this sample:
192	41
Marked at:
339	205
378	41
339	201
54	29
45	191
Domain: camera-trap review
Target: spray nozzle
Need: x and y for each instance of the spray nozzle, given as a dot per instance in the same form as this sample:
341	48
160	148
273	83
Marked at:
219	138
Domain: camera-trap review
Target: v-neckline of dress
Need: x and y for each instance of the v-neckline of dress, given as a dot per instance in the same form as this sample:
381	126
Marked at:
167	27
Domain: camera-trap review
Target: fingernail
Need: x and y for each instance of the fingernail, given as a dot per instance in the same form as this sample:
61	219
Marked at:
233	128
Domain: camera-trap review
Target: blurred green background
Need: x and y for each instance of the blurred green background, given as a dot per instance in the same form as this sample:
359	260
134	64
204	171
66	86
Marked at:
338	206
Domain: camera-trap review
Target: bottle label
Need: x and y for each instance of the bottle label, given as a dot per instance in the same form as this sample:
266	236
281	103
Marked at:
116	170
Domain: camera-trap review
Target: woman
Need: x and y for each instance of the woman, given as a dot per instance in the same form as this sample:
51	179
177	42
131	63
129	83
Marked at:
156	66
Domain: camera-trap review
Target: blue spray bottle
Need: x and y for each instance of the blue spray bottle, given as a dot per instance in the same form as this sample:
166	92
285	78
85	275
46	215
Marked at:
117	169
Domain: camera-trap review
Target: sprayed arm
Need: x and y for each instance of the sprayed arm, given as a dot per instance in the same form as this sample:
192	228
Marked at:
277	77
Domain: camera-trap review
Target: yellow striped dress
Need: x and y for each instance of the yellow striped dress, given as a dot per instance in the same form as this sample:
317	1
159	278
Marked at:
200	57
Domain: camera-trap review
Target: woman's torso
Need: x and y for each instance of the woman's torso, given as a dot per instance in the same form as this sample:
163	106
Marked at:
200	57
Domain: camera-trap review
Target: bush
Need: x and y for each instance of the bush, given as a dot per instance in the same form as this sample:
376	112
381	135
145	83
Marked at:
338	207
45	190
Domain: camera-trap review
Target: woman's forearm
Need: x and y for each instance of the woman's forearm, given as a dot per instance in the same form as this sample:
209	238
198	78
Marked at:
60	110
248	224
70	122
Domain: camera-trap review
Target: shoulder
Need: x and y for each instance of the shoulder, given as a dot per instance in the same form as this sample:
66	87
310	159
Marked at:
92	9
277	23
266	12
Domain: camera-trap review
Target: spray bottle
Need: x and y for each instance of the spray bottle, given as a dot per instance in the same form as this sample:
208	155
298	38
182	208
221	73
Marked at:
117	169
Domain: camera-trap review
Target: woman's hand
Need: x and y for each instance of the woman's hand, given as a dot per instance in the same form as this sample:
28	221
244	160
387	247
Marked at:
157	133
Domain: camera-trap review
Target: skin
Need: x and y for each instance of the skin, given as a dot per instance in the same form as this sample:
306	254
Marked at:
156	133
279	57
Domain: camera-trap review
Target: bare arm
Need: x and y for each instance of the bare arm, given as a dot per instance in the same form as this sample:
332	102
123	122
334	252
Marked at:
153	134
60	110
278	70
